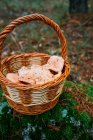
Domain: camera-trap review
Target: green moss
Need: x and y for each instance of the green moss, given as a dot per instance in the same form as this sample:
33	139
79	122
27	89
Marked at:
85	119
64	120
67	132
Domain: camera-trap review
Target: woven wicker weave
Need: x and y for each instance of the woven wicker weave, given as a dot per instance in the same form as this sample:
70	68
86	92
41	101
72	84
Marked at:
28	99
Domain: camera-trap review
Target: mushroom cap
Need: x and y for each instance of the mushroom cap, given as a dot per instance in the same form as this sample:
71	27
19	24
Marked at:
13	77
55	63
25	75
23	71
35	75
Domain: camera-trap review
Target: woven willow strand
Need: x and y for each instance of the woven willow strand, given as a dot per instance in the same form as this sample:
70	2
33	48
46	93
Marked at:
32	17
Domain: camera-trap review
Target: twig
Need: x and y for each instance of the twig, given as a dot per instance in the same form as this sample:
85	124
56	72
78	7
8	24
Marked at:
87	21
84	103
14	39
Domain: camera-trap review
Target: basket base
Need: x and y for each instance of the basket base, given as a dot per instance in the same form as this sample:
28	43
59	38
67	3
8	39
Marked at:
32	110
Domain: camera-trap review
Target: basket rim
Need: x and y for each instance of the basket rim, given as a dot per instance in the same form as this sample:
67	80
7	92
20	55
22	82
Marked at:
22	86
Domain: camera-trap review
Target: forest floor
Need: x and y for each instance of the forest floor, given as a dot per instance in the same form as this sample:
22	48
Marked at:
79	33
78	30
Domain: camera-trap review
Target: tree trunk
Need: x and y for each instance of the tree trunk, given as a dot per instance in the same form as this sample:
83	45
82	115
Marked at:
78	6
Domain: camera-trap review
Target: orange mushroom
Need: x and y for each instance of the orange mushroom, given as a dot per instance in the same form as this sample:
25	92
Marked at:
55	63
37	74
13	77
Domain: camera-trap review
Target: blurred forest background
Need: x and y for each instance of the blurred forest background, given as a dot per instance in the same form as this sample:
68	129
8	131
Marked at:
72	117
74	17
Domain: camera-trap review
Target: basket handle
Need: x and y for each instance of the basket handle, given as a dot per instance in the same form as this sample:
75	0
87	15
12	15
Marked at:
31	17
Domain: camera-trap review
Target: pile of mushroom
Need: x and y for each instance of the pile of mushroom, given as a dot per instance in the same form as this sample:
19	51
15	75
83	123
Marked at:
37	74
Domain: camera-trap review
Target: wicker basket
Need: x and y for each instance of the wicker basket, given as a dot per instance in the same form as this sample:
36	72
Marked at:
28	99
